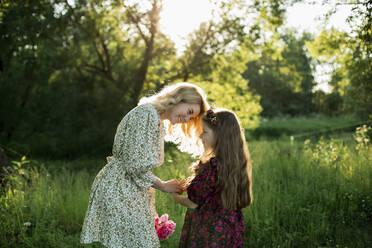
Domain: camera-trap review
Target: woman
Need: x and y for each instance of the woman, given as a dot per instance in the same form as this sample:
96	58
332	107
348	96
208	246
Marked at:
121	205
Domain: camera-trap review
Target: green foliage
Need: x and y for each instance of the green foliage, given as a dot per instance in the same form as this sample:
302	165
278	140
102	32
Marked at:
319	195
304	127
15	175
350	56
281	74
70	70
225	87
363	137
329	48
305	195
47	210
329	104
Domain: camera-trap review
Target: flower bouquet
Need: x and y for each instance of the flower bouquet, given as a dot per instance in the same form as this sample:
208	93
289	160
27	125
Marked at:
164	227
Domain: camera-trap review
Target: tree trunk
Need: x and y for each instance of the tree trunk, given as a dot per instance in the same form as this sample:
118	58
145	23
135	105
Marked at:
141	75
153	15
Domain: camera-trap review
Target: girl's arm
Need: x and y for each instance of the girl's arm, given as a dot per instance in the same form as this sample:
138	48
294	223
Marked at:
183	200
170	186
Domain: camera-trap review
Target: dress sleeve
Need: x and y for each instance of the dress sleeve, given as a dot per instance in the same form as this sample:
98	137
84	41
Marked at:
138	144
203	186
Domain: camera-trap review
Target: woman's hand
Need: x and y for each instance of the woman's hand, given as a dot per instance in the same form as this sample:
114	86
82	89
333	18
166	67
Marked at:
172	186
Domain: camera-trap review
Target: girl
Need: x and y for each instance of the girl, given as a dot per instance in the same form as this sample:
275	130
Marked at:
121	204
221	187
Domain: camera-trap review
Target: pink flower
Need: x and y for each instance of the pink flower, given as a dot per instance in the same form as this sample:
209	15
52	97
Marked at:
164	227
164	218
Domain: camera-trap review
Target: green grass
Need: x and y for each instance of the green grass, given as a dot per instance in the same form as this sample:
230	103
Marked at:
305	195
304	127
303	201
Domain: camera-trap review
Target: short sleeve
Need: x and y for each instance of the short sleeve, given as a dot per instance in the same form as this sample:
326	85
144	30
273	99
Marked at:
203	187
138	144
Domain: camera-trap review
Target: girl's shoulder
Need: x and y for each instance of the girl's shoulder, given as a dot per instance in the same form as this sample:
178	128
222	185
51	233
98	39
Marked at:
213	162
204	167
210	166
207	162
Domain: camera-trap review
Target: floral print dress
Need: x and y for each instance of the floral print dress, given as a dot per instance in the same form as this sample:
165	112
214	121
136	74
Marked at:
210	225
121	204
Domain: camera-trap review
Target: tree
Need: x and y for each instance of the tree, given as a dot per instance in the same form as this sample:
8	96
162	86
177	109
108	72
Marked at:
281	74
72	69
350	56
360	72
225	87
29	36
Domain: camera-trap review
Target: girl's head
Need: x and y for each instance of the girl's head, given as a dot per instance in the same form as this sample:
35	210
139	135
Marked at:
223	138
181	107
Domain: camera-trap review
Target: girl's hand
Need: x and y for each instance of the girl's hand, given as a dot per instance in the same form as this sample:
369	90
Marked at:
176	196
172	186
183	200
183	185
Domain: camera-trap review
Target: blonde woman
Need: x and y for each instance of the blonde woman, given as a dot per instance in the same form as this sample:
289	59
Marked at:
121	204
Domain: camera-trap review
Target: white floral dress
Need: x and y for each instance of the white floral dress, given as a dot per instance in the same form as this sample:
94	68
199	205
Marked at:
121	204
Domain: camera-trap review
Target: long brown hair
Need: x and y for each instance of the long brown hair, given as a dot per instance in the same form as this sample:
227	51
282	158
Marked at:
234	170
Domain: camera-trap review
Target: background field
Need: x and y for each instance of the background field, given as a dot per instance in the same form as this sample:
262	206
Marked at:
71	69
306	194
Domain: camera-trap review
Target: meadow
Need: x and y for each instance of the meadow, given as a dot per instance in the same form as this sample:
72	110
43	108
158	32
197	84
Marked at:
71	69
307	193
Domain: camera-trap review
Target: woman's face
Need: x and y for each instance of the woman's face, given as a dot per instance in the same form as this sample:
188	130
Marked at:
208	138
183	112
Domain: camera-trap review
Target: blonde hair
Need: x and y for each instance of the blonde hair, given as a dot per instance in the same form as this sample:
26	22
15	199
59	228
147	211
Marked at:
186	135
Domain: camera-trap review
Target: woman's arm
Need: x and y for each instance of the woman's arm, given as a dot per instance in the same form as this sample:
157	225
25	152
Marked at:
171	186
183	200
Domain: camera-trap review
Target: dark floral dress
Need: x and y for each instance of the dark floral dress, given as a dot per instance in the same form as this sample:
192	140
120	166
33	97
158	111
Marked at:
210	225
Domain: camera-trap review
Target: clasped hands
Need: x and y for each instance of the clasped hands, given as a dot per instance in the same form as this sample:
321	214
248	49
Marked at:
174	186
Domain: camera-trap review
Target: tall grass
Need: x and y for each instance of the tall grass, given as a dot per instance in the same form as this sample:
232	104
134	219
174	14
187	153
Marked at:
310	196
304	127
305	195
46	211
